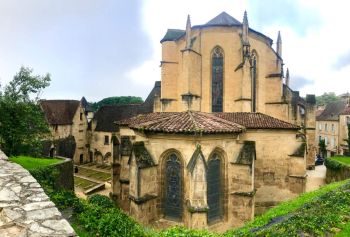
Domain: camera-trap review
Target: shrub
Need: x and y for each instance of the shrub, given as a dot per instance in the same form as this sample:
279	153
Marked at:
101	201
67	199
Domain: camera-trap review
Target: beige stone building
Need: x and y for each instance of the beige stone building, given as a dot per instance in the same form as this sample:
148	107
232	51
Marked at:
68	125
228	138
331	126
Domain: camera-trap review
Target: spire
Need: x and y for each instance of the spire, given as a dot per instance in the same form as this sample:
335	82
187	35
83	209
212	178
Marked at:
188	32
245	29
287	77
279	44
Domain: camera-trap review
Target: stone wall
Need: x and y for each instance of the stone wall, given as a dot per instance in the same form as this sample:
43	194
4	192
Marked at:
25	209
336	171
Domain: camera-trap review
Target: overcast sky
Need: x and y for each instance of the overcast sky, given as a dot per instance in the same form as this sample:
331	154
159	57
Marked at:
98	49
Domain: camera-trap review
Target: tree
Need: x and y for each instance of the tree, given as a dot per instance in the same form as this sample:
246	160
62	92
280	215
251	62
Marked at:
327	98
117	100
22	122
323	147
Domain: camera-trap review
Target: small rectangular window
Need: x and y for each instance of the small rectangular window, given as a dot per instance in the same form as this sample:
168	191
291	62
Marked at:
332	127
320	126
106	140
325	127
81	116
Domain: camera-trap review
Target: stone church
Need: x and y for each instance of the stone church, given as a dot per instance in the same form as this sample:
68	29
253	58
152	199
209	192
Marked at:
228	137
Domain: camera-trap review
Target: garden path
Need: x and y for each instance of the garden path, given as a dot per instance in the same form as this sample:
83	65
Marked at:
315	178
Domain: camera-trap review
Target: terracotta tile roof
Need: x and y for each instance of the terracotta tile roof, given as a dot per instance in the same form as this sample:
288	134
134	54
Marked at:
60	112
256	120
193	122
182	122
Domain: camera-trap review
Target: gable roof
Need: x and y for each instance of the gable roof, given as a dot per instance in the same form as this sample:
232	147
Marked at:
257	120
332	111
172	34
108	114
87	107
223	19
188	122
59	112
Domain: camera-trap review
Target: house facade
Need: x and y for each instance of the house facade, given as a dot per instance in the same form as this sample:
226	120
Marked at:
68	125
332	126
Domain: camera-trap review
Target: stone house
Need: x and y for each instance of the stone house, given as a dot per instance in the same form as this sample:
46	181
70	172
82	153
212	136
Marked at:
102	136
68	125
228	138
331	126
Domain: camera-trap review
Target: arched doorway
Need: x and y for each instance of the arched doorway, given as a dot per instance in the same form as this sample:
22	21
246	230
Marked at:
173	188
52	152
214	192
81	159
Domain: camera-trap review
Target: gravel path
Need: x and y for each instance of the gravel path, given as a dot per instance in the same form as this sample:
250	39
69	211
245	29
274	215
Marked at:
315	178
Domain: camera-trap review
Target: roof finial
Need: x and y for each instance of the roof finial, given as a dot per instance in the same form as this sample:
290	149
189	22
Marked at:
188	32
245	29
279	44
287	77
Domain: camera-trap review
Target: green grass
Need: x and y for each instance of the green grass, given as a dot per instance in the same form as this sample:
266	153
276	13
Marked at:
342	159
29	163
83	183
287	207
94	174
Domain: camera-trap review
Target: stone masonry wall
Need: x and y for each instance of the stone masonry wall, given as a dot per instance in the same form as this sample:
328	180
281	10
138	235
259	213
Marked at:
25	210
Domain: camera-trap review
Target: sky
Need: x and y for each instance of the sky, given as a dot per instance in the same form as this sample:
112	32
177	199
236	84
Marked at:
99	49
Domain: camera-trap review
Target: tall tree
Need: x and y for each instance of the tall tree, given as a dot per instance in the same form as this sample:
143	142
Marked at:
348	139
327	98
22	122
323	147
117	100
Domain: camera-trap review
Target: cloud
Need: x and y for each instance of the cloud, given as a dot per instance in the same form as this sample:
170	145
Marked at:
298	82
342	61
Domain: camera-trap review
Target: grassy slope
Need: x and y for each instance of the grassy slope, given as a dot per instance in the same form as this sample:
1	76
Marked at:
286	207
342	159
28	162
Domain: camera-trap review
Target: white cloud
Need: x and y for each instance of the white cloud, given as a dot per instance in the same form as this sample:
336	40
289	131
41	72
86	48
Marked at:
310	55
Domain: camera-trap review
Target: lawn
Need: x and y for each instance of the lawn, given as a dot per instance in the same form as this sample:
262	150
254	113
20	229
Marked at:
342	159
94	174
83	183
29	163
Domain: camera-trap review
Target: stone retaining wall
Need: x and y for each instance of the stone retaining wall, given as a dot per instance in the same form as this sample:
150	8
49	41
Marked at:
25	209
336	171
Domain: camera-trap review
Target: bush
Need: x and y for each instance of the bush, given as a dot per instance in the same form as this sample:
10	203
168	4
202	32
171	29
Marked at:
101	201
46	176
67	199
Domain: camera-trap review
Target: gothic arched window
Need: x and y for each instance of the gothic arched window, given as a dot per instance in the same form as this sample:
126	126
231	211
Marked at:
214	188
253	63
173	188
217	80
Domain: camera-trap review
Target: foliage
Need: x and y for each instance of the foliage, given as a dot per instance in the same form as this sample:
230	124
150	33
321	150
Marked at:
183	232
323	147
46	176
28	162
348	140
284	209
327	98
22	122
333	164
67	199
117	100
101	201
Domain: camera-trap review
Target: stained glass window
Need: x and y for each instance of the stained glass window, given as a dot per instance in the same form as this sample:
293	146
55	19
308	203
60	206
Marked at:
217	80
254	75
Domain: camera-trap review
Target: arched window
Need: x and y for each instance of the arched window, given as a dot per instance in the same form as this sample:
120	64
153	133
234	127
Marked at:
173	188
214	192
217	79
253	63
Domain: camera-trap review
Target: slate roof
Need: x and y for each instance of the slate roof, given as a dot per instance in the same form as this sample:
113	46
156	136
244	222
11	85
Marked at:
108	114
332	111
346	111
223	19
206	123
256	120
87	107
59	112
173	34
